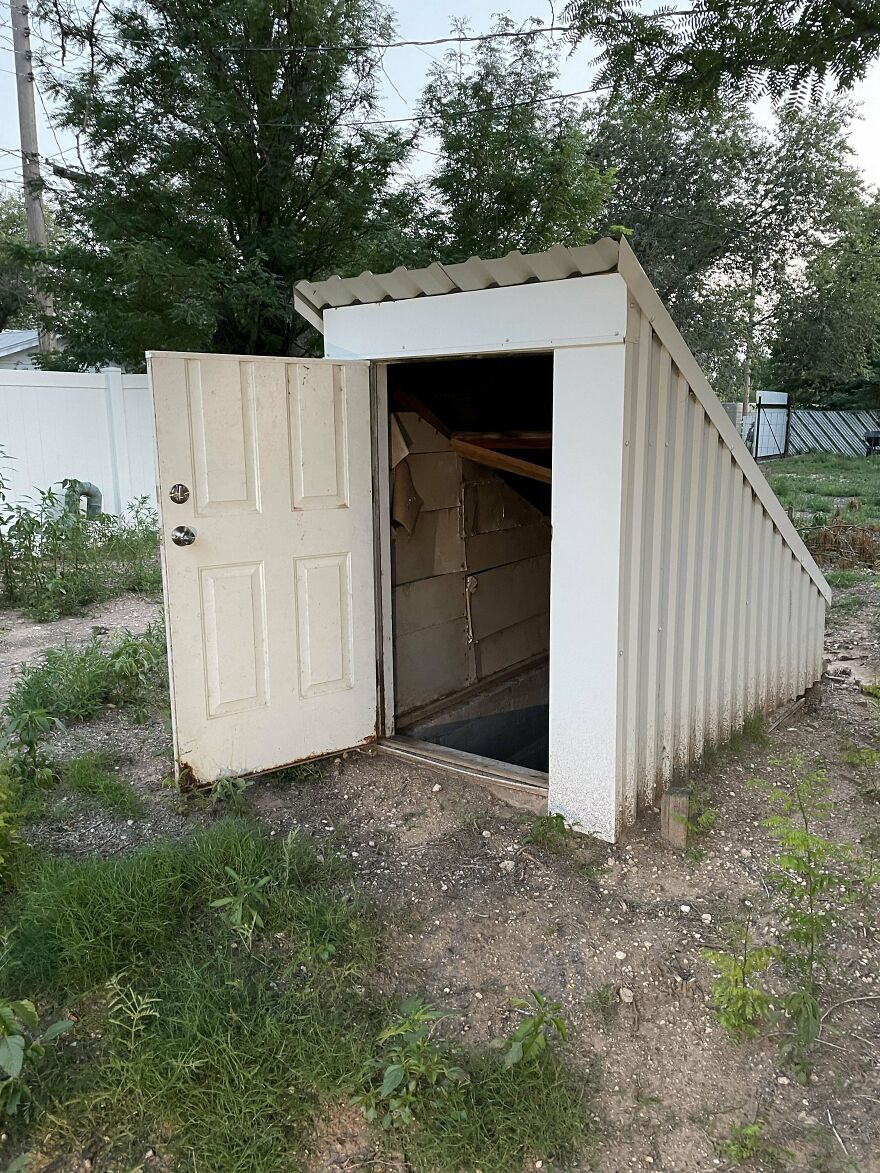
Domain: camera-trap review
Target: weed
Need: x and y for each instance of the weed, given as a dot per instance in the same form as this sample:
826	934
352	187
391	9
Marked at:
407	1068
838	579
530	1037
130	1012
702	814
738	993
230	793
753	732
91	777
604	1003
553	833
808	886
746	1143
872	690
9	818
55	560
242	908
862	756
20	1042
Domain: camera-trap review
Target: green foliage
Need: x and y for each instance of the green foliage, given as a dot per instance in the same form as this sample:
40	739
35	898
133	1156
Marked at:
820	482
55	560
17	307
230	793
406	1069
187	1039
270	171
553	833
92	777
130	1012
74	683
21	1041
709	55
738	992
604	1003
746	1143
9	818
717	232
809	885
862	756
529	1040
826	336
243	907
486	105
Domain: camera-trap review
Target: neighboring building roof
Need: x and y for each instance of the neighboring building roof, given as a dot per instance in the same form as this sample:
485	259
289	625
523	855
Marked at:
12	341
311	298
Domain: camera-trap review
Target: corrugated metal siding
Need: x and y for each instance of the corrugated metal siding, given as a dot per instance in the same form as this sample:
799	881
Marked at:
556	264
830	431
719	621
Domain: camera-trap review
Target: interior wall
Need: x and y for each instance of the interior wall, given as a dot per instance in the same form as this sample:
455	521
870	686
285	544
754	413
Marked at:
471	581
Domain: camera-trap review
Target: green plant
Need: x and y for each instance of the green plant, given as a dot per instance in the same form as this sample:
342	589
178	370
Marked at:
91	777
130	1012
862	756
604	1003
738	994
808	884
230	793
406	1068
21	1041
9	818
746	1143
55	560
242	909
872	690
553	833
530	1038
20	740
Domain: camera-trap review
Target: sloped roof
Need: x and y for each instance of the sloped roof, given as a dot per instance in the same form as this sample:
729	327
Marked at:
12	341
311	298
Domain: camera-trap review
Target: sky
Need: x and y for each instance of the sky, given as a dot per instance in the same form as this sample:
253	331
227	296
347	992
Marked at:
406	69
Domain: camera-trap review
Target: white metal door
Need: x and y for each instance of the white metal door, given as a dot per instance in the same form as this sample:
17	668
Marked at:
270	610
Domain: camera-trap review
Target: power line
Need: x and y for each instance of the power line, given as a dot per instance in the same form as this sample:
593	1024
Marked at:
354	47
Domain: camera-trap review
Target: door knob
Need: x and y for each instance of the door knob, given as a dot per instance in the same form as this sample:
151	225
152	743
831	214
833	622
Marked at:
182	535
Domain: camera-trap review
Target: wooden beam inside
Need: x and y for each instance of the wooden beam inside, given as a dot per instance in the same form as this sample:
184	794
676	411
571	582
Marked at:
505	440
406	401
502	462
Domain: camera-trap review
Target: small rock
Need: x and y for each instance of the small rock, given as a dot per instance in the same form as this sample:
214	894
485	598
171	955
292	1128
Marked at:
507	866
620	955
625	994
685	908
436	788
706	918
487	834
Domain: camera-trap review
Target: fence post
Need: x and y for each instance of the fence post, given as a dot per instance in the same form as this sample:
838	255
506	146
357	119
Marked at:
787	428
115	434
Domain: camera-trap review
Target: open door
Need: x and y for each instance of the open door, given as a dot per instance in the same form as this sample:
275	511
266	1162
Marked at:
265	490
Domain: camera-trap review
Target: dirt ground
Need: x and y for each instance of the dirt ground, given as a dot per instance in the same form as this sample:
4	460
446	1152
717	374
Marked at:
476	915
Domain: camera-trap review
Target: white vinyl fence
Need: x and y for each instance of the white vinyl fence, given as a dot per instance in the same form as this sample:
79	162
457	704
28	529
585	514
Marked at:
92	427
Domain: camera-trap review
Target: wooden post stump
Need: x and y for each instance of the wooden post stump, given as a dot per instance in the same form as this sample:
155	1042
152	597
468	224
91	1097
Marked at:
674	810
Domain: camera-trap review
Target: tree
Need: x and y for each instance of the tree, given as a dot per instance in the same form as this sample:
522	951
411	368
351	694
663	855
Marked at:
514	169
17	307
229	152
825	346
699	53
720	209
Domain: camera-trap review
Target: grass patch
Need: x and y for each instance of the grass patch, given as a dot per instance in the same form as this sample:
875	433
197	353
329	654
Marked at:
75	683
840	579
826	483
220	1052
93	777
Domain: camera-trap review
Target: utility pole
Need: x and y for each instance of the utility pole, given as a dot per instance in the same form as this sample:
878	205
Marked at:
30	154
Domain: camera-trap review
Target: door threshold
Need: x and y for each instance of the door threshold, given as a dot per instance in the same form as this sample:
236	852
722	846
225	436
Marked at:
514	784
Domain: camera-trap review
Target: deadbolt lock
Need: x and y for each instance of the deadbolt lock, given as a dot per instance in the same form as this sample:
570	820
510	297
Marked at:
182	535
179	494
